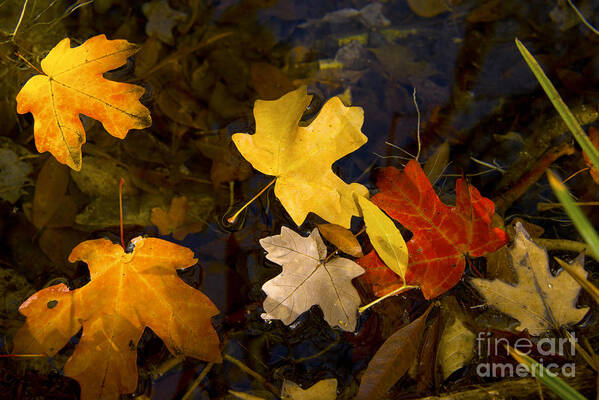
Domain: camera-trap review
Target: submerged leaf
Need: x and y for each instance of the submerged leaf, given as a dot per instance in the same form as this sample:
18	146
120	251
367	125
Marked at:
306	280
392	360
325	389
343	238
539	300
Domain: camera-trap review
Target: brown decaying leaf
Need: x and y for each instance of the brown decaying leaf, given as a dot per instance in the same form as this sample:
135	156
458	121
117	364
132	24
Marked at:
436	163
50	189
269	81
127	293
342	238
306	280
540	301
392	360
325	389
456	346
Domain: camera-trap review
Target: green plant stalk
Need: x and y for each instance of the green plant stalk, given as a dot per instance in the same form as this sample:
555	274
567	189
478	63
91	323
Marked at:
575	213
548	378
561	107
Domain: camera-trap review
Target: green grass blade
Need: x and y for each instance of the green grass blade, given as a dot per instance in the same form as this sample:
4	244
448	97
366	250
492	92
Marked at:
548	378
561	107
580	221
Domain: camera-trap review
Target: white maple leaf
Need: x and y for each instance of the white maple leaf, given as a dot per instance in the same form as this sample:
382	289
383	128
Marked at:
306	280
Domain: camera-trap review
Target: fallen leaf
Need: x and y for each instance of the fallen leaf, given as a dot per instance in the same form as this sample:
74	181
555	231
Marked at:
127	292
306	280
161	20
437	163
227	164
174	221
269	81
342	238
13	175
73	84
325	389
540	301
301	156
392	360
456	346
430	8
385	237
594	137
245	396
442	236
378	276
50	189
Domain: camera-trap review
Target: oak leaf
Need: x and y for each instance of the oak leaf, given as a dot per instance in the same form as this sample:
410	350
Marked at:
442	236
539	300
73	84
301	156
308	280
127	292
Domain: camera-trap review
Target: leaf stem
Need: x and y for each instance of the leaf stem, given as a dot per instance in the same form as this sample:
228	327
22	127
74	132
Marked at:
234	217
393	293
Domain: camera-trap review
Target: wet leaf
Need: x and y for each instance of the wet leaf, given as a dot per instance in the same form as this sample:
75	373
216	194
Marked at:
177	221
50	190
161	20
100	177
385	237
437	163
127	292
540	301
325	389
342	238
301	156
442	236
378	276
430	8
13	175
392	360
456	346
74	85
269	81
306	280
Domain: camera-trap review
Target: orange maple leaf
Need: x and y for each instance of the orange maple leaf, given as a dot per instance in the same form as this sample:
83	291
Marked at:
73	84
127	292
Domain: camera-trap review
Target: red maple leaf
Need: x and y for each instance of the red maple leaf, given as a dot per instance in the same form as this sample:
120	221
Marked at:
442	236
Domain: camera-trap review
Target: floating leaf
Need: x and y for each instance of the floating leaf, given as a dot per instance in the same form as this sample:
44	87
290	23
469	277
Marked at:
442	236
127	292
72	85
342	238
301	156
306	280
385	237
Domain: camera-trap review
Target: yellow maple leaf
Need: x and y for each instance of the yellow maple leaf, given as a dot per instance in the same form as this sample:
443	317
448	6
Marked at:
301	156
127	292
73	84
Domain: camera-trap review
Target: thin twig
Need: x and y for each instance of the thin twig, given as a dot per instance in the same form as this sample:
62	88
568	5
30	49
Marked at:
583	19
418	127
253	373
197	382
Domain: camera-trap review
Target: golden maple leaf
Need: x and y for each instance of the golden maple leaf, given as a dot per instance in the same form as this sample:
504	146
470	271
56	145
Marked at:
301	156
73	84
127	292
